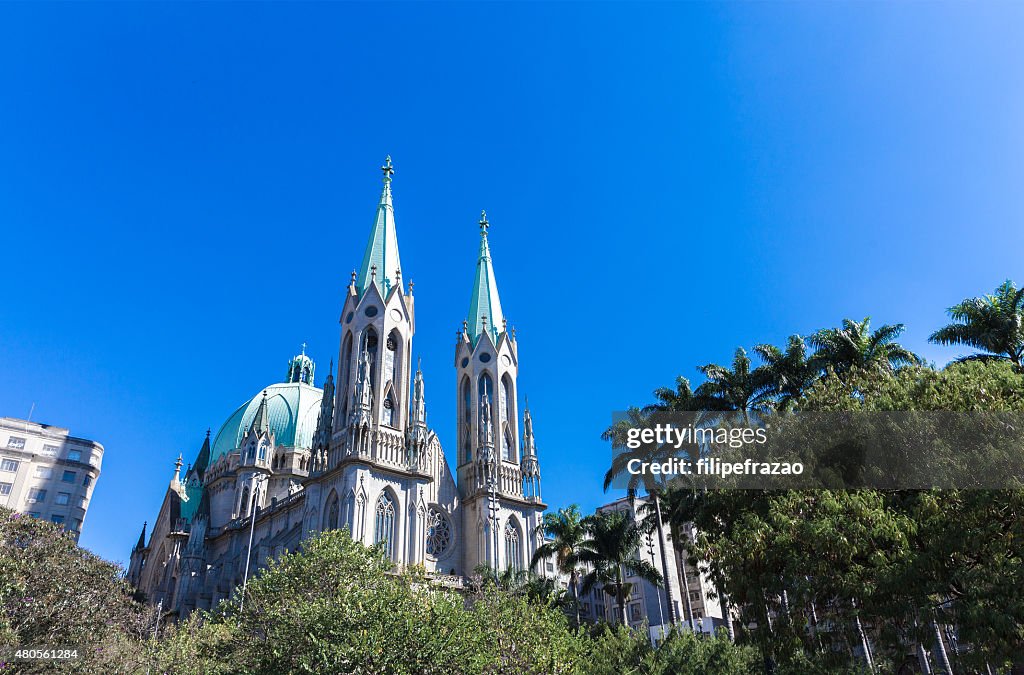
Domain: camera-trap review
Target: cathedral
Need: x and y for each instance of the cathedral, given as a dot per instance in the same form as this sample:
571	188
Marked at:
357	453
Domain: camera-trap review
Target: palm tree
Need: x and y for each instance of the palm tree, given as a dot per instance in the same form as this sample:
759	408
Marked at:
611	551
788	373
680	399
856	346
736	389
993	324
564	534
618	434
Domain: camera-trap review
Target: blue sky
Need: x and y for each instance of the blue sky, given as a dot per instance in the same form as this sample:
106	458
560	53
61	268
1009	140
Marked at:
184	189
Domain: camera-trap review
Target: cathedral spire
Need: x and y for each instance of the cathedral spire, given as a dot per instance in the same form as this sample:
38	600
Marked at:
382	248
142	538
325	420
203	460
484	306
261	421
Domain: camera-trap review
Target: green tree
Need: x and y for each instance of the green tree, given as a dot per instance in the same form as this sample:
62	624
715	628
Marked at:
335	606
789	373
611	550
855	346
564	533
993	324
738	388
54	593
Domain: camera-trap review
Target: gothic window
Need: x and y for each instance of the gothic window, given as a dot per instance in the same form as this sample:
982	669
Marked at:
439	533
387	409
370	342
513	557
343	370
384	524
508	446
251	454
331	516
467	424
243	506
263	451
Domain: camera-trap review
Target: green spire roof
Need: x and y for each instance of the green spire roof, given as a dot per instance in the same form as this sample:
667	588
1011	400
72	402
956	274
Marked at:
381	264
484	305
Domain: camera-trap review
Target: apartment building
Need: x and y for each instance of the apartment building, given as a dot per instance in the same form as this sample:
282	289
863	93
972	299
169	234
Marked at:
47	473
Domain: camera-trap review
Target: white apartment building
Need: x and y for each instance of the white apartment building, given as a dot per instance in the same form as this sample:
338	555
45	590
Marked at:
697	610
47	473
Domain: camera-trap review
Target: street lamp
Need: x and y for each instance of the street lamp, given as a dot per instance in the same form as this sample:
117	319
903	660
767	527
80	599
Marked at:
493	504
252	531
661	618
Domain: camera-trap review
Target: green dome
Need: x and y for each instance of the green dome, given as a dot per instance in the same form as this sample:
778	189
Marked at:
293	408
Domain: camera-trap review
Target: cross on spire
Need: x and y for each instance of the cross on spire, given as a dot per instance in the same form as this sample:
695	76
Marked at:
387	169
483	223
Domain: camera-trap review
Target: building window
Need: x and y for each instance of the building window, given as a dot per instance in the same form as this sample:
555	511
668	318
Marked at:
74	455
5	489
9	465
88	481
59	520
695	596
16	443
439	533
50	450
69	477
384	525
76	524
512	552
33	514
331	521
63	498
44	472
634	612
35	495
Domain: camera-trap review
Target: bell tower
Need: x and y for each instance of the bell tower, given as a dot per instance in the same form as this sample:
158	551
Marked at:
499	519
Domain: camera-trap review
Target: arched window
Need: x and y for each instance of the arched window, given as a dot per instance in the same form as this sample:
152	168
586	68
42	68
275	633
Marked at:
331	514
392	362
508	444
244	506
344	368
251	454
370	345
384	524
388	408
508	417
263	452
467	421
513	553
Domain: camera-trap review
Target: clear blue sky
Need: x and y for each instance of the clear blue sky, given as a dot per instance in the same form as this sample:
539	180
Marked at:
184	189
